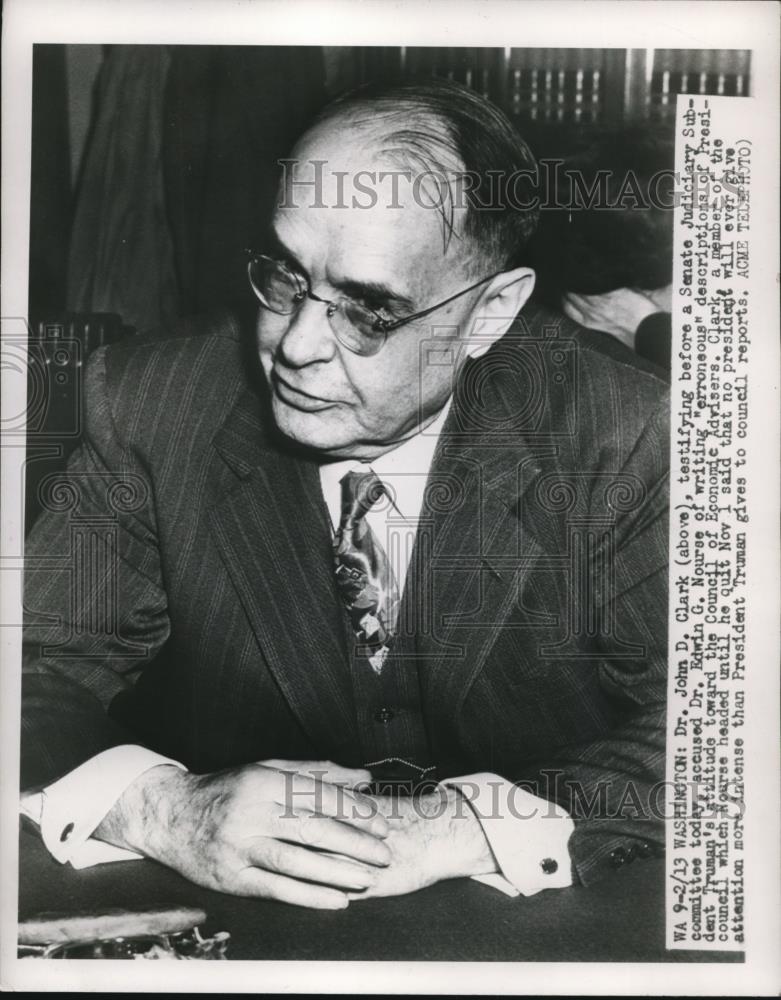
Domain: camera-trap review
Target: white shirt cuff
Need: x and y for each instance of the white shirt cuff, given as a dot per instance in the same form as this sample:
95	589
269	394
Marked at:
527	834
69	810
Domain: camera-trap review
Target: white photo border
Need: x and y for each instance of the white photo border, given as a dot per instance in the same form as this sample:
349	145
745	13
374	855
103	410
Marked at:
641	24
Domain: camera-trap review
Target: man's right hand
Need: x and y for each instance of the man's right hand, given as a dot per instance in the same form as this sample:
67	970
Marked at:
258	830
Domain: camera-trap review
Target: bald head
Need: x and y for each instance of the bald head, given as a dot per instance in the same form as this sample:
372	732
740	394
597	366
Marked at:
356	246
438	145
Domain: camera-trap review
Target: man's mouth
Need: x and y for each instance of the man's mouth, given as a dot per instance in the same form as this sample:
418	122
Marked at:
298	398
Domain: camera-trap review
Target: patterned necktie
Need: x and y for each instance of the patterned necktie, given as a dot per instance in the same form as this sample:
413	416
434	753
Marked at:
363	574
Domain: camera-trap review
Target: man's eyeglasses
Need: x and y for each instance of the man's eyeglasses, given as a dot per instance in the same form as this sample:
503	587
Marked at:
357	327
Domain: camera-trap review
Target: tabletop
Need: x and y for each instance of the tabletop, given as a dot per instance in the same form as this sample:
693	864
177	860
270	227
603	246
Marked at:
620	919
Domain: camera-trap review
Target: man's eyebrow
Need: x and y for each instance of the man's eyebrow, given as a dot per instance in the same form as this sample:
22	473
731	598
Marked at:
371	291
276	245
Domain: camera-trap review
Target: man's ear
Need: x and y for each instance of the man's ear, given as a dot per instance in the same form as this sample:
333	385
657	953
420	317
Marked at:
497	307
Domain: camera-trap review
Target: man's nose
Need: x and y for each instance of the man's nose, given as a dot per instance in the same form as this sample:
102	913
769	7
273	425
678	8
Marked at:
309	337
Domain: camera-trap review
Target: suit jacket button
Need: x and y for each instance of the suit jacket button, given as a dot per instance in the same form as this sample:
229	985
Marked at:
618	857
383	716
549	866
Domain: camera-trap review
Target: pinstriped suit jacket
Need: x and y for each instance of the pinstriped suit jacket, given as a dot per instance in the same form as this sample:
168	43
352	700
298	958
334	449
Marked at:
179	588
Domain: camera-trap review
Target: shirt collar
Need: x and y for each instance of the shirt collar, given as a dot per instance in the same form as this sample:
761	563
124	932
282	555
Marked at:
406	468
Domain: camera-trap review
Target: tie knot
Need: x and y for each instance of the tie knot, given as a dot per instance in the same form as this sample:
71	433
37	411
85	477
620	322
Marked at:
360	492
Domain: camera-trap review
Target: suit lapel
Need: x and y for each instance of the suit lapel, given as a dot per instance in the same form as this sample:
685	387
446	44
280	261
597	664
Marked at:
480	560
471	559
273	533
480	551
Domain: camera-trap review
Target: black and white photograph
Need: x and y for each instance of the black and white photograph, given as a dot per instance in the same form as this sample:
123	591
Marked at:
386	430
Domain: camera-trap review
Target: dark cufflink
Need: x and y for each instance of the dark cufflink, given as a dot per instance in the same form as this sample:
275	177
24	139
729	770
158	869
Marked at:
549	866
66	832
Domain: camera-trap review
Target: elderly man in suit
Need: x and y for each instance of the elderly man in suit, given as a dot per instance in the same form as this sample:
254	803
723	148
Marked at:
410	539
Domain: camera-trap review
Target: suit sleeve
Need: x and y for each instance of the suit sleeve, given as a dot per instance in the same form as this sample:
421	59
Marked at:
613	787
95	608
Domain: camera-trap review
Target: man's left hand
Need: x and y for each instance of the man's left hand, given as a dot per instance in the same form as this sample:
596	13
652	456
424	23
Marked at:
432	837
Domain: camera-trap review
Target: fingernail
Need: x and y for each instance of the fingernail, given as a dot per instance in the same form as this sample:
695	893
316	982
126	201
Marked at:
379	826
383	855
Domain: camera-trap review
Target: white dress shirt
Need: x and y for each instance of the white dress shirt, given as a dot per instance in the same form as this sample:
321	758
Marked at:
527	835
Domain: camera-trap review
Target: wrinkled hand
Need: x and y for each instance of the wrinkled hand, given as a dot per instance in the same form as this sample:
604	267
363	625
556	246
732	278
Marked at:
619	312
292	831
432	837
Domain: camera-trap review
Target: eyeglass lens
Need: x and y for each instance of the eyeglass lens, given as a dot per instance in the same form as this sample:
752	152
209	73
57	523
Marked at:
282	292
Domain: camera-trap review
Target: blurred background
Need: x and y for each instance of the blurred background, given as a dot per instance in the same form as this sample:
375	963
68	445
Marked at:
154	166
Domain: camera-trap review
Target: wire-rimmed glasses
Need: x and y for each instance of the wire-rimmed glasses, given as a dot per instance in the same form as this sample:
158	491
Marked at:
357	327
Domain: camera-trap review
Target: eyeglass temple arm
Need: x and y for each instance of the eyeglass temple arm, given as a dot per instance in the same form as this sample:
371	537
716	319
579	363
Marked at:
387	325
393	325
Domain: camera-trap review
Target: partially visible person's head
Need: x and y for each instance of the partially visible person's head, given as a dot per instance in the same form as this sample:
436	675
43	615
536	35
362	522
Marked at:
392	221
613	228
